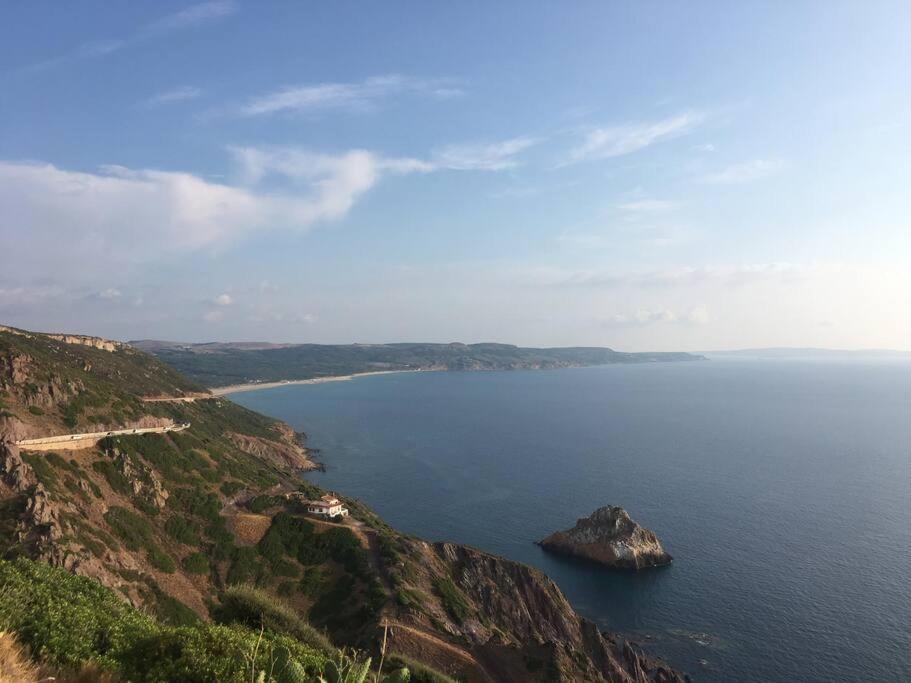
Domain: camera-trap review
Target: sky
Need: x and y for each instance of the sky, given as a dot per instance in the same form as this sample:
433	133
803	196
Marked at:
644	176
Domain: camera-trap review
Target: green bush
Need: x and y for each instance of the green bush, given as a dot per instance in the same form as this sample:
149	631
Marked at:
182	530
262	503
255	608
196	563
43	469
68	621
245	567
132	529
119	483
160	560
311	581
229	488
136	533
172	611
35	410
451	598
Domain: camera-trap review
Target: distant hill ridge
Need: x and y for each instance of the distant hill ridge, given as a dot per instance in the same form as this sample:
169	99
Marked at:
217	364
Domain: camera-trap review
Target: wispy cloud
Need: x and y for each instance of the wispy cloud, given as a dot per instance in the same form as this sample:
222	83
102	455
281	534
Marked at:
727	275
744	172
185	92
495	156
615	141
194	15
647	206
190	17
140	215
362	95
223	300
644	317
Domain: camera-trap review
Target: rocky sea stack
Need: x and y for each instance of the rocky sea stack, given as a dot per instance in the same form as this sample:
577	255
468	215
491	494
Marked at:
611	538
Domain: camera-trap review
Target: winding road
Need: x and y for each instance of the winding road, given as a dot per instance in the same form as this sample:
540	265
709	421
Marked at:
72	442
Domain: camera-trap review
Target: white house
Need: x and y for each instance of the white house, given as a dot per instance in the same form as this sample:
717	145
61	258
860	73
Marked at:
330	506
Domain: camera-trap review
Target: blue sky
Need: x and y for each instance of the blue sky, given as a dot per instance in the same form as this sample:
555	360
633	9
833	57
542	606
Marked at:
638	175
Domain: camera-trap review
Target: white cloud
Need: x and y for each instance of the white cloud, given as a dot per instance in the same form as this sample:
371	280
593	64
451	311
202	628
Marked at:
223	300
192	16
708	147
195	15
647	206
744	172
213	316
646	316
351	96
139	215
110	294
614	141
186	92
496	156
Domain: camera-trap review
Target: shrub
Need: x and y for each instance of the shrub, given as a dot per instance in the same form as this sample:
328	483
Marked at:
451	598
67	621
261	503
311	581
136	533
229	488
35	410
160	560
196	563
245	567
181	530
43	470
255	608
133	530
113	476
172	611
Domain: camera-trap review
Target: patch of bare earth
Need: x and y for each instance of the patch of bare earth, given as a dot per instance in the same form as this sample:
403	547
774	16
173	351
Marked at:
436	653
247	527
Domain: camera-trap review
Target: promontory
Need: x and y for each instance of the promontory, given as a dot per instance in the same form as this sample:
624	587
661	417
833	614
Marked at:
611	538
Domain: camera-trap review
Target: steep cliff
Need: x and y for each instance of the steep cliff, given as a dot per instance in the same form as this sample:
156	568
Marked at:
610	537
169	521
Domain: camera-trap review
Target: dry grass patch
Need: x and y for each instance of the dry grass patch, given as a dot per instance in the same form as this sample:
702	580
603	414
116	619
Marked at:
248	528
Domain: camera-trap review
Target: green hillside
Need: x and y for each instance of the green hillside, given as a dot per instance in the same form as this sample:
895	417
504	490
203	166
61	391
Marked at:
224	364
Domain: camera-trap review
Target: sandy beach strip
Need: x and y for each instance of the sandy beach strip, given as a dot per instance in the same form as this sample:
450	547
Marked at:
255	386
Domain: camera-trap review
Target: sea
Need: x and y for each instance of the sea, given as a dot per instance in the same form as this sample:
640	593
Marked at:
782	488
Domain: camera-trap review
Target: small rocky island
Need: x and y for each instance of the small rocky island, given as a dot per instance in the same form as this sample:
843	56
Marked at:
611	538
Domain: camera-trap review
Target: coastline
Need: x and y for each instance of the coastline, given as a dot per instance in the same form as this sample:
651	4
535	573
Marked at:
254	386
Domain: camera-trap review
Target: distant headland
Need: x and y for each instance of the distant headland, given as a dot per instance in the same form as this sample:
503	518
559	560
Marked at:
256	364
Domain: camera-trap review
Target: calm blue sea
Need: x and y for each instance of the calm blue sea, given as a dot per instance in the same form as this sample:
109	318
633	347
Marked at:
781	488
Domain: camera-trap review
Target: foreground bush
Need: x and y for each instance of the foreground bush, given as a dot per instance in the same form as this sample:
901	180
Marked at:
255	608
68	621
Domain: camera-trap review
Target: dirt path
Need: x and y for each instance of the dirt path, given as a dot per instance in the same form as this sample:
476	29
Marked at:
440	654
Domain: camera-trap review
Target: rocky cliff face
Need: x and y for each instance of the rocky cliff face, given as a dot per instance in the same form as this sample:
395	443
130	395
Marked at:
528	612
610	537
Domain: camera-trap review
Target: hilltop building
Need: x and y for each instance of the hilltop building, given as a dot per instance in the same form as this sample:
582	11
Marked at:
328	506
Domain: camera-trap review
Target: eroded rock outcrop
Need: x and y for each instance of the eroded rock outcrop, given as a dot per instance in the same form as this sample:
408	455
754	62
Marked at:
515	623
14	471
611	538
284	452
